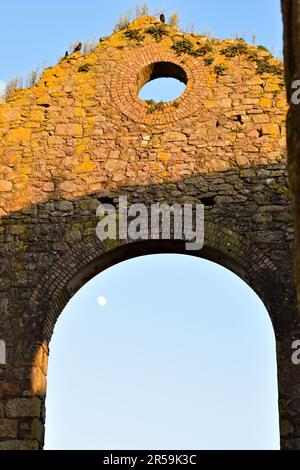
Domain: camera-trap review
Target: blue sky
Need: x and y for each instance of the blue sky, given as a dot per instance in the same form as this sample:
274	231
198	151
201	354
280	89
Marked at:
183	354
36	33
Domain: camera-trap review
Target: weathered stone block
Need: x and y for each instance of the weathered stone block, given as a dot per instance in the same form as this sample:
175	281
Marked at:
5	186
18	135
69	130
37	430
270	129
8	428
19	445
21	407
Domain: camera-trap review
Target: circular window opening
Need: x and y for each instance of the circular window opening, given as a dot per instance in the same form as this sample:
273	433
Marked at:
161	82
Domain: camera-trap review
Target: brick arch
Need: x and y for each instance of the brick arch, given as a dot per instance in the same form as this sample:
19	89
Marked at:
90	257
139	67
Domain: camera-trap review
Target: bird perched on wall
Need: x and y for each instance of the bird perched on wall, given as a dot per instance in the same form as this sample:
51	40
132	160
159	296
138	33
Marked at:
78	48
66	55
162	18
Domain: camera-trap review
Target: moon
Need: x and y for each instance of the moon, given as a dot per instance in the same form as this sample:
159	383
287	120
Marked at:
102	301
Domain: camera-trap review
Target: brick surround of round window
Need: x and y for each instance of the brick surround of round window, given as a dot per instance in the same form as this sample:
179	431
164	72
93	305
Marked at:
151	62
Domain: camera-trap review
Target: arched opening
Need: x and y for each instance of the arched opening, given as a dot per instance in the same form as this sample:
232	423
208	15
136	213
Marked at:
161	82
162	90
178	352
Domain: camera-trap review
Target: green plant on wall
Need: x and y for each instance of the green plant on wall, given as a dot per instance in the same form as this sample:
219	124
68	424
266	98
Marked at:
134	35
154	106
264	66
157	32
236	49
202	51
263	48
208	60
159	106
84	68
220	69
184	46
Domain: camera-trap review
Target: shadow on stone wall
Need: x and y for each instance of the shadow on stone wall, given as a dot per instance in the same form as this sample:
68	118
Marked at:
50	250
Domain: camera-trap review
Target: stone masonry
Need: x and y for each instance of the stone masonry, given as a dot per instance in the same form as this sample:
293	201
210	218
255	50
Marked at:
82	136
